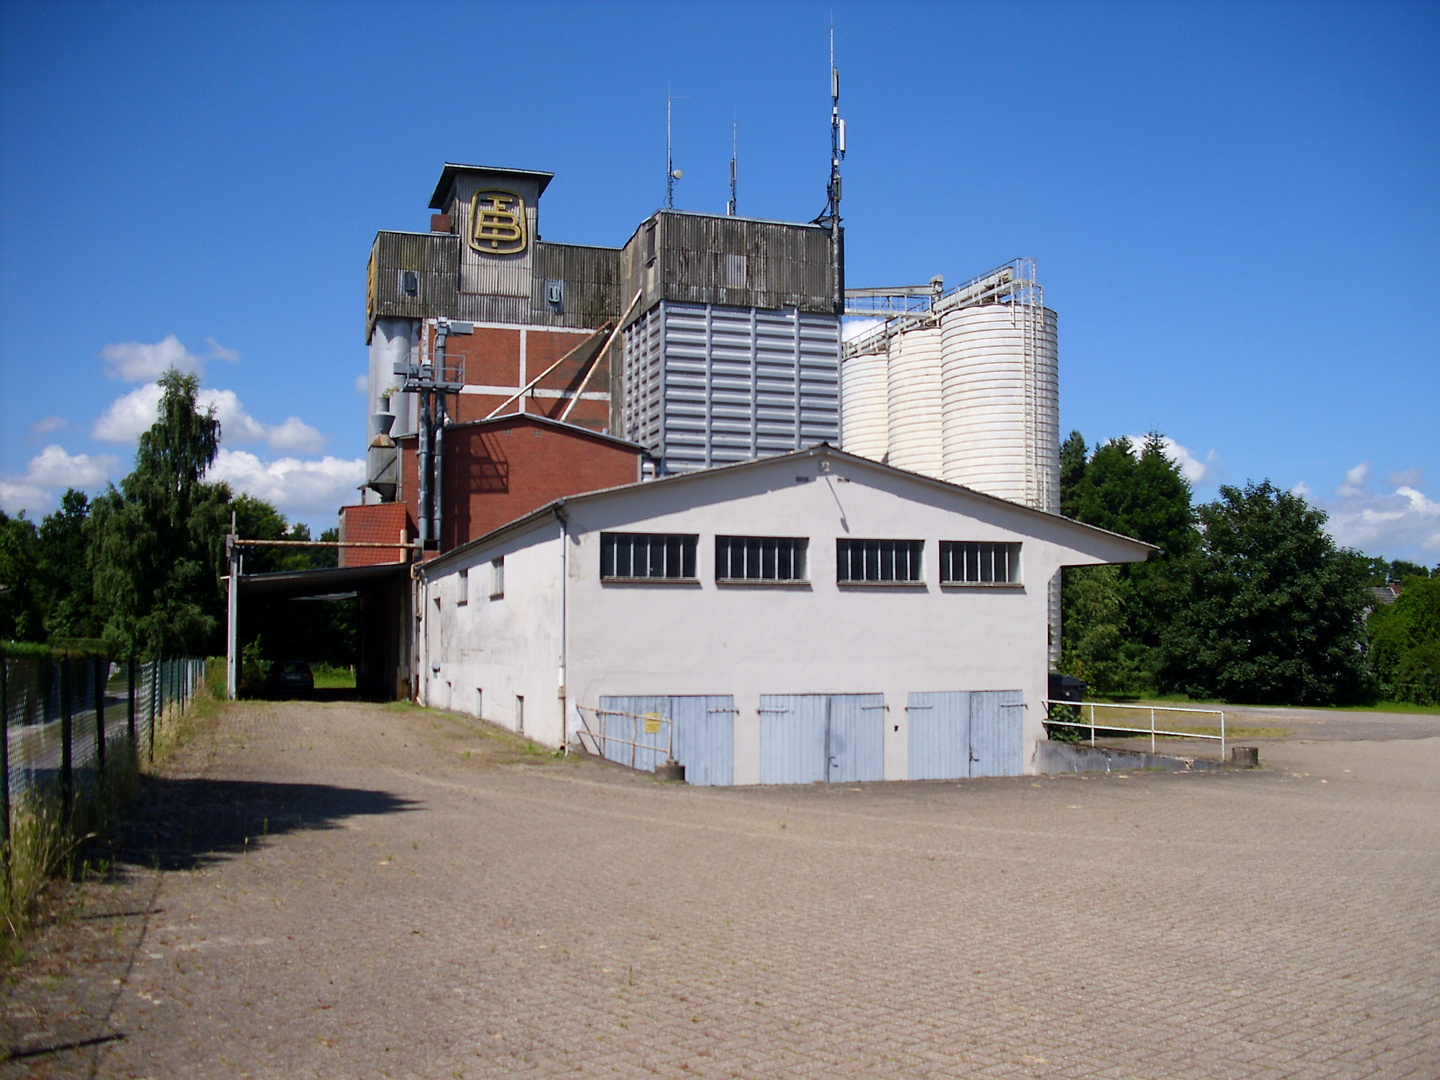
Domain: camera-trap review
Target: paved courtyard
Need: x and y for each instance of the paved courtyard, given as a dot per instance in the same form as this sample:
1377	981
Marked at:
340	890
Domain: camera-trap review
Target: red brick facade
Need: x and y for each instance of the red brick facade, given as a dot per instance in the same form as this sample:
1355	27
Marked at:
381	523
498	470
497	362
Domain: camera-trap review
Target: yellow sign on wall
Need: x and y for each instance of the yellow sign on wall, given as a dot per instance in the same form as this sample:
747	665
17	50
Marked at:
497	222
652	723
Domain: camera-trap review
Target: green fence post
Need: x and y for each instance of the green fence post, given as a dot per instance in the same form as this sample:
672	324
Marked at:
5	768
130	709
67	763
102	676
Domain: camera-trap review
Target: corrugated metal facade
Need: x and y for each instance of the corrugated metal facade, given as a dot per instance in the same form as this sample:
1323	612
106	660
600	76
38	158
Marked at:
836	738
590	285
959	734
433	259
738	262
708	385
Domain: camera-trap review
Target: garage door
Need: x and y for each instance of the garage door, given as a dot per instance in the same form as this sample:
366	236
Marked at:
958	734
704	734
828	737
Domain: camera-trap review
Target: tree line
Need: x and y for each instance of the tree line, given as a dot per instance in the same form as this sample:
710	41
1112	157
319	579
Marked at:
1248	599
139	570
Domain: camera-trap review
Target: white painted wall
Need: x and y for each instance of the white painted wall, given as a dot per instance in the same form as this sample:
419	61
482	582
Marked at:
755	639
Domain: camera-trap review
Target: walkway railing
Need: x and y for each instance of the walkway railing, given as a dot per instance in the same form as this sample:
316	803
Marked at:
63	718
606	728
1051	719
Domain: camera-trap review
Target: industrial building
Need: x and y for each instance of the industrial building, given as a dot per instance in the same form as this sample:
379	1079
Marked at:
803	617
661	505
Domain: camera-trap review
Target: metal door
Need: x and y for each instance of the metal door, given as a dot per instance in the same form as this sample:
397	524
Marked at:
996	733
958	734
806	738
939	735
703	738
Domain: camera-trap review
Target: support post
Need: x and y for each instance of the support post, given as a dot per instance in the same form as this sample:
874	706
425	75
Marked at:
102	671
66	733
5	768
232	620
154	704
130	704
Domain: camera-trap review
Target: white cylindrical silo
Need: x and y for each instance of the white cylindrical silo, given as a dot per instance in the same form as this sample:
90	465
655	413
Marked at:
864	406
913	398
1001	403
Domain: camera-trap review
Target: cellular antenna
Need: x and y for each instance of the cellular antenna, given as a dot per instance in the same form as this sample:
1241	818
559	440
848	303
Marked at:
671	173
734	153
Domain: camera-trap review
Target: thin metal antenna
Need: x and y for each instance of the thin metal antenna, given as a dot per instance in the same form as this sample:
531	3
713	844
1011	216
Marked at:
837	155
734	153
671	173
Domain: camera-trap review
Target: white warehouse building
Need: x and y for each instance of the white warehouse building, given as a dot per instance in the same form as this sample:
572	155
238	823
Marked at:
815	616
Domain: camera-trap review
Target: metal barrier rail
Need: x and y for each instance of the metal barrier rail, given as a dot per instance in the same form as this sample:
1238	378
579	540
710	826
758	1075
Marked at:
603	739
1152	730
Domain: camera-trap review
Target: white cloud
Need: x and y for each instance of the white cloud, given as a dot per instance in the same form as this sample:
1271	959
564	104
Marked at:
362	384
1407	478
1191	467
294	435
45	425
1355	480
220	352
132	414
128	415
1401	524
134	361
296	488
51	470
853	328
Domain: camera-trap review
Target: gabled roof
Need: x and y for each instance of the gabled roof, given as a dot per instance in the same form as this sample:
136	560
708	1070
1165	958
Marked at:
556	507
453	169
510	419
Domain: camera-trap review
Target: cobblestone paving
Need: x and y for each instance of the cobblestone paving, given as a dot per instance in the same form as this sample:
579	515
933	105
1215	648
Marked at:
365	891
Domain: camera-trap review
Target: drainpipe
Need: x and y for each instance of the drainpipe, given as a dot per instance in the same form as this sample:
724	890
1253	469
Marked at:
560	518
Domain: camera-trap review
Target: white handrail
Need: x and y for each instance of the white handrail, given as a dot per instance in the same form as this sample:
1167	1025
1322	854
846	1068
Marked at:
599	741
1152	730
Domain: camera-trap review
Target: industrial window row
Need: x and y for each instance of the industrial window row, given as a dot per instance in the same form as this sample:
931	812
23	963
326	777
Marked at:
784	560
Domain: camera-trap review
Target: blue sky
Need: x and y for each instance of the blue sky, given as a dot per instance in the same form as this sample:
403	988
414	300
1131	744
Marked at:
1235	208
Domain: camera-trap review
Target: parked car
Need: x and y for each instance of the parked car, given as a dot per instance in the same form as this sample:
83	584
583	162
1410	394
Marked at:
289	677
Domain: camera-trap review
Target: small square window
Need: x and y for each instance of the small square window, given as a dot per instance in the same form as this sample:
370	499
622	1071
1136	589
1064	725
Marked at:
497	578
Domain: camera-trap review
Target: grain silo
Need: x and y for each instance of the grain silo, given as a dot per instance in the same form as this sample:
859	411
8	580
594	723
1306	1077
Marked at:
865	406
1000	402
913	402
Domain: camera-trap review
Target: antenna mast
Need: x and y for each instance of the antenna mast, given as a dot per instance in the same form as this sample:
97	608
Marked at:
832	203
734	152
671	173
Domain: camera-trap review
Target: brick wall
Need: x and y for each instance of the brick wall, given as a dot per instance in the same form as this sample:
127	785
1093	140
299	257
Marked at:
379	523
499	471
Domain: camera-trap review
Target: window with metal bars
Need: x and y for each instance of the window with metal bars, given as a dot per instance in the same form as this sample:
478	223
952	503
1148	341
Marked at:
760	558
647	556
969	562
879	561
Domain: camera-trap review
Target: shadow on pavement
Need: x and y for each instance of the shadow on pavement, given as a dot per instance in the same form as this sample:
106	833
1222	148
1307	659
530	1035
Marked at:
186	824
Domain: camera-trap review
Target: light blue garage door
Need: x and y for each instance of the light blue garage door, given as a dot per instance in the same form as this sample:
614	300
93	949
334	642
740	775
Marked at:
704	739
829	737
958	734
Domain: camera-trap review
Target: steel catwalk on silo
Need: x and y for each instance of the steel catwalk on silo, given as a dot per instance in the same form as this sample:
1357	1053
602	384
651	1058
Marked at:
864	406
1000	403
913	389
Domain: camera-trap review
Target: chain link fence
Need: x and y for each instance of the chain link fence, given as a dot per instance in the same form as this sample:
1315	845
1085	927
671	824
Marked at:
65	718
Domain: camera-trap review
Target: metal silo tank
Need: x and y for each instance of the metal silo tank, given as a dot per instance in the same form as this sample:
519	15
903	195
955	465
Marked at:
913	389
865	406
1000	402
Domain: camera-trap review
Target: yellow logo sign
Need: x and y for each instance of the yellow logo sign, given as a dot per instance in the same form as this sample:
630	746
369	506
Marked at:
652	723
497	222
